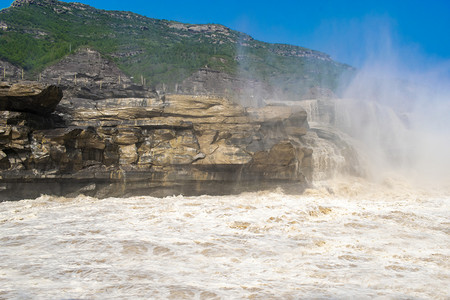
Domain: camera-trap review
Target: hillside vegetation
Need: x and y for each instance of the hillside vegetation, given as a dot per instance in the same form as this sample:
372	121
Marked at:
37	33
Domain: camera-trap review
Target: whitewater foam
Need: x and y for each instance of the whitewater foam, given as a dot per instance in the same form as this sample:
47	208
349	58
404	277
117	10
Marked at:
344	239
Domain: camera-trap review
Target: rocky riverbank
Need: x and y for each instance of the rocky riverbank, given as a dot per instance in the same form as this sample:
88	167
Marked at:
85	127
133	141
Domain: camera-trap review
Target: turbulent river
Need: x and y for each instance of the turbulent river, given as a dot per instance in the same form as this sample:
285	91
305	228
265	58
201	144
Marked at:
351	240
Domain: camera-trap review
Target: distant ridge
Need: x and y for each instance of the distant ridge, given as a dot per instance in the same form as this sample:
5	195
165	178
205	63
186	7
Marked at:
35	34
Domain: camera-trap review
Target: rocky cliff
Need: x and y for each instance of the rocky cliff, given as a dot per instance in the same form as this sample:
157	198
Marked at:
144	144
85	127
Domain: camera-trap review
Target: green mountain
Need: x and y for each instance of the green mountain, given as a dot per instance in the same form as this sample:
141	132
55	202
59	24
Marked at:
35	34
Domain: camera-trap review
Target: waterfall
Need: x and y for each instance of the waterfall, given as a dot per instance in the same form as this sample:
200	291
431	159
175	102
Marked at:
356	137
312	109
380	133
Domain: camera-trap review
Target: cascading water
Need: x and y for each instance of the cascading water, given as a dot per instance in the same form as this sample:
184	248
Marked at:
312	110
358	137
377	131
334	149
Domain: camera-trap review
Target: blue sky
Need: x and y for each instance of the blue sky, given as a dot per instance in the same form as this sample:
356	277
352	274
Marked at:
350	31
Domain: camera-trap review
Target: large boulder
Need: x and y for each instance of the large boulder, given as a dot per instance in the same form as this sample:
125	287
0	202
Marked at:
33	97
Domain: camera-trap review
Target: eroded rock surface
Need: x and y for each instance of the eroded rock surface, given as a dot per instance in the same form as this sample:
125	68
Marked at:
113	145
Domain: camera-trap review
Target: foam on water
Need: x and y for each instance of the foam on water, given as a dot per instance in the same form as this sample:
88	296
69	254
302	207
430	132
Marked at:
343	239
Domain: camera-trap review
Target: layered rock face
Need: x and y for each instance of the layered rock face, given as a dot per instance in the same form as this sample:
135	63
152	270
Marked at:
135	142
210	82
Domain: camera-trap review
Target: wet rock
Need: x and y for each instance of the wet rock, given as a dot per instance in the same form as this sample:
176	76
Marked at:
280	162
